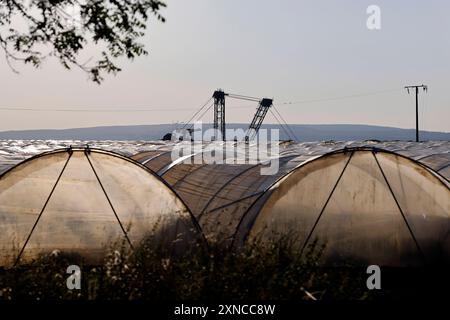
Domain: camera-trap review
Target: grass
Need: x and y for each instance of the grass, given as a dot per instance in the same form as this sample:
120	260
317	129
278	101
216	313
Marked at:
263	270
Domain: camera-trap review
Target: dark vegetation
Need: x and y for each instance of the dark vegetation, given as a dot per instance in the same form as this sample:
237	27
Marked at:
266	269
261	271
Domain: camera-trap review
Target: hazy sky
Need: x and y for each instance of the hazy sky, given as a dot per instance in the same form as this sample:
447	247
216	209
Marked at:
288	50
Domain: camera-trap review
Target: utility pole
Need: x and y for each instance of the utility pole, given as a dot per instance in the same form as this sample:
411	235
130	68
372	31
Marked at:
425	89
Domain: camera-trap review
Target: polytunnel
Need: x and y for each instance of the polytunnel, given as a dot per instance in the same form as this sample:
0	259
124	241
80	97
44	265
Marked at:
81	201
385	203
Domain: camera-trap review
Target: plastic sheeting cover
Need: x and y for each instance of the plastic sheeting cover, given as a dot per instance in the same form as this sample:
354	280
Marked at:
371	208
82	202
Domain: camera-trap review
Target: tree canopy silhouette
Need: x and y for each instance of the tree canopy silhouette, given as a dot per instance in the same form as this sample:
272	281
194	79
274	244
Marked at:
33	30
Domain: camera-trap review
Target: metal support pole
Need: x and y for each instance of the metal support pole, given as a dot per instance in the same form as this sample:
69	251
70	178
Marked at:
425	89
417	114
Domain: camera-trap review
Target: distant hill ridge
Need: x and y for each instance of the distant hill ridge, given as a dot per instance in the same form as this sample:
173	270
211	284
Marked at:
304	132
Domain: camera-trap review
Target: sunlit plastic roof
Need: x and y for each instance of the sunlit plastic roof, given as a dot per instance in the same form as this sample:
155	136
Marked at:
83	201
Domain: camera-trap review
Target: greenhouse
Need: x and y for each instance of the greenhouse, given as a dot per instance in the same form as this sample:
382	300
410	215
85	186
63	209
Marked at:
385	203
82	200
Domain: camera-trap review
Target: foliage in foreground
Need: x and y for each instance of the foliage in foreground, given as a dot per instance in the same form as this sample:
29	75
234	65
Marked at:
261	271
32	31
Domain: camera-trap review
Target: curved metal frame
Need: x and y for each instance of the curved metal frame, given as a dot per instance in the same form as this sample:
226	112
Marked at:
432	155
232	179
443	167
344	150
117	155
144	163
261	194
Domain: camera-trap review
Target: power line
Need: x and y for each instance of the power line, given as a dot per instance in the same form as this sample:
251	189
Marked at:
340	97
96	110
93	110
